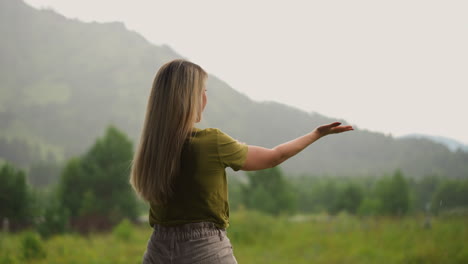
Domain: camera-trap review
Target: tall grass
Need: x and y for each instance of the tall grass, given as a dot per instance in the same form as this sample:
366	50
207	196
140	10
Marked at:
259	238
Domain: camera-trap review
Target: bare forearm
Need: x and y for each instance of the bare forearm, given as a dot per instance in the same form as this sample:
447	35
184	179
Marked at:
259	158
291	148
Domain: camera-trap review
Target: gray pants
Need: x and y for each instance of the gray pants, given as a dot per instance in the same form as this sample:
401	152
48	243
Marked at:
194	243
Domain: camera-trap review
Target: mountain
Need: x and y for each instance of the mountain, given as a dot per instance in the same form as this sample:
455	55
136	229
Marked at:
452	144
63	81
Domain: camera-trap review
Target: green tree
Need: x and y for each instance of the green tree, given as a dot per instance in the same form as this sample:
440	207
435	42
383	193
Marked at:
55	219
235	192
369	206
349	199
424	190
394	194
450	194
316	193
328	194
268	191
95	187
14	195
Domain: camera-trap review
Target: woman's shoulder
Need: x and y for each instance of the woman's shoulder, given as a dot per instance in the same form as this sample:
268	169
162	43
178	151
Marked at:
207	131
213	133
204	135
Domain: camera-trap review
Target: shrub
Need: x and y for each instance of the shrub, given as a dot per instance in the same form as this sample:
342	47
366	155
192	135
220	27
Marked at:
249	227
32	246
123	230
55	220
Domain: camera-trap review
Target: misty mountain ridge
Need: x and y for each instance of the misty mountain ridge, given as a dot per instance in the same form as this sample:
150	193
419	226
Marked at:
452	144
63	81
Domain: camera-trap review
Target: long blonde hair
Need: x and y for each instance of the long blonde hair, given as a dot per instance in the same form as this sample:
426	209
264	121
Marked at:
174	105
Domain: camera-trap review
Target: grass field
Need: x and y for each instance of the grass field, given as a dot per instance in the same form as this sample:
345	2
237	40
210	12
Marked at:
258	238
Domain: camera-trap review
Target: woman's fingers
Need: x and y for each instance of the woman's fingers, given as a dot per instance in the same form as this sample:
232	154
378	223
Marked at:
333	128
340	129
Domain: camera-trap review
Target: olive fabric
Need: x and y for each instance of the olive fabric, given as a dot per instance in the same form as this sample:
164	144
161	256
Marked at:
200	190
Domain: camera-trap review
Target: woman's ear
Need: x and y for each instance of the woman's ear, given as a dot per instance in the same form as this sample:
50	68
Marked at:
199	115
204	99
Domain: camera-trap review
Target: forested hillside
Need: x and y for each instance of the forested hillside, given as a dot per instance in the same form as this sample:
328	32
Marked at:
63	81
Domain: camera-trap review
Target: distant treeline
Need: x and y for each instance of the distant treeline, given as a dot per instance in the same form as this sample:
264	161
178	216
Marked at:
395	194
92	192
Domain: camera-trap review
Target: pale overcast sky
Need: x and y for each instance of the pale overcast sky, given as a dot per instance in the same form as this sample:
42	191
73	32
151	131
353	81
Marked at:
390	66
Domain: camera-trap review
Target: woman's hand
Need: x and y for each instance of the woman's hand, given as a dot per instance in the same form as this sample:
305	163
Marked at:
333	128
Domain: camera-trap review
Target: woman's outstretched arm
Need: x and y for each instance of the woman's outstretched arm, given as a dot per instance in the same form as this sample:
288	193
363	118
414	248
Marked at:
259	158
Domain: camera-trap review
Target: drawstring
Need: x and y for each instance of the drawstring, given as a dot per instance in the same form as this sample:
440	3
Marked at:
220	234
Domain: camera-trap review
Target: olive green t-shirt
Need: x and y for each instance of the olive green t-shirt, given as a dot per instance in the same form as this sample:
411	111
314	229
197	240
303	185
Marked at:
200	191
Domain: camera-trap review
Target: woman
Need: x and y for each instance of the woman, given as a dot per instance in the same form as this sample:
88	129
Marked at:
180	169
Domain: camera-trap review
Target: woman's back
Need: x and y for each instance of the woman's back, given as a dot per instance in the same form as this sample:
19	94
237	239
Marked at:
201	186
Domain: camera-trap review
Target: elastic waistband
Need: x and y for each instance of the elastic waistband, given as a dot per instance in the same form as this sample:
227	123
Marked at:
187	231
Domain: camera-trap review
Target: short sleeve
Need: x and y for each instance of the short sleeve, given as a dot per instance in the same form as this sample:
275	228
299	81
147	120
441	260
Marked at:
232	153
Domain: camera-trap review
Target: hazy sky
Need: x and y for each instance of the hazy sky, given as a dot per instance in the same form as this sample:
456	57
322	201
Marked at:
390	66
